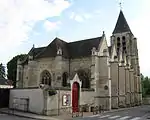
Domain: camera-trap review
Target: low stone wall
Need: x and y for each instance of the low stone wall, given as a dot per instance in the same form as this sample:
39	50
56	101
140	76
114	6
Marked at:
55	103
146	101
30	100
41	102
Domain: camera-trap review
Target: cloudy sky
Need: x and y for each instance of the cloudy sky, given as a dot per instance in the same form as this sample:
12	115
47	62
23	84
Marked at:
27	22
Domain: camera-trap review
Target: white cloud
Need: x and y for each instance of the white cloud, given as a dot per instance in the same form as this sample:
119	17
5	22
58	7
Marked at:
87	16
51	25
17	18
80	17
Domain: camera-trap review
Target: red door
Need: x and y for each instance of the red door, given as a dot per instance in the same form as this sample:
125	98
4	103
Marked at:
75	97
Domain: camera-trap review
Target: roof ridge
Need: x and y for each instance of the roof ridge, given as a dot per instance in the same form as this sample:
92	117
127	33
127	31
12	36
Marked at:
84	40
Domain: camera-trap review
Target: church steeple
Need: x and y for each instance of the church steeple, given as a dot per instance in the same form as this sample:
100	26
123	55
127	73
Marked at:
121	25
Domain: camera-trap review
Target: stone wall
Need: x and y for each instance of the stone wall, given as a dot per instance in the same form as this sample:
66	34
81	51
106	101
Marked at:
114	83
132	86
41	103
128	88
122	86
80	63
55	102
18	98
56	67
102	83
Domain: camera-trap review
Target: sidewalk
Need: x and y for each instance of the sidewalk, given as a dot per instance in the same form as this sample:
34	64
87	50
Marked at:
61	117
26	115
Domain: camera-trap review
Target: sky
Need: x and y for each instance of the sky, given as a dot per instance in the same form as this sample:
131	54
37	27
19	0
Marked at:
27	22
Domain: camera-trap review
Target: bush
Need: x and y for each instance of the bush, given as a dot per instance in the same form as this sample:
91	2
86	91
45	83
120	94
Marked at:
52	92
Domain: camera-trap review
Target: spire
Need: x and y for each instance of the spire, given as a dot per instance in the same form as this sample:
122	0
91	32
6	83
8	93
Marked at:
121	25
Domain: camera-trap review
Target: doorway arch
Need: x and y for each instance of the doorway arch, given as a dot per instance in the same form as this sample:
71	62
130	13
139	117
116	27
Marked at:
75	96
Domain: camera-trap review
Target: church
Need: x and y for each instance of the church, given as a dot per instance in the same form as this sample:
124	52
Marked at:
84	72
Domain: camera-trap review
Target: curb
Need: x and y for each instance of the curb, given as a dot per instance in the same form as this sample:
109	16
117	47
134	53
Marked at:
111	111
27	116
18	115
121	109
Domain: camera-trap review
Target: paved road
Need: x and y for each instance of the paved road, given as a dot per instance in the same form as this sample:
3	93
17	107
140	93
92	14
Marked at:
140	113
9	117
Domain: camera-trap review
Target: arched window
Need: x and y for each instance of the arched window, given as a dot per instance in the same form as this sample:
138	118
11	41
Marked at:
124	43
46	78
118	39
65	77
118	44
84	77
123	38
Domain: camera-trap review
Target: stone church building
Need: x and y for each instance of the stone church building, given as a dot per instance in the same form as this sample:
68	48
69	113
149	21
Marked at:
86	71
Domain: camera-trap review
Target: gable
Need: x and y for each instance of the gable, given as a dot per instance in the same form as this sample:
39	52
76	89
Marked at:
103	47
51	49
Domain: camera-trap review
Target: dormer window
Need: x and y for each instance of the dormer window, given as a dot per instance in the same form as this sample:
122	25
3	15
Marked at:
59	52
93	51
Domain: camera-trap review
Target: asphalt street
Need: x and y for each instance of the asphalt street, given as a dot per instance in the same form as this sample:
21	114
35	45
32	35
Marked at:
10	117
139	113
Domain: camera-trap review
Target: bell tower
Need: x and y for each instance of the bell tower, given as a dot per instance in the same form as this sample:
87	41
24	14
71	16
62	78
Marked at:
126	47
122	36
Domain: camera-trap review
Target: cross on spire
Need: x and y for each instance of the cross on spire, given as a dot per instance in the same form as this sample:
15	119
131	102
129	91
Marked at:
120	5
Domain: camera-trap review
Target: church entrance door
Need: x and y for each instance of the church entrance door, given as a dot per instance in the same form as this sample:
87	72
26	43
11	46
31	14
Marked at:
75	97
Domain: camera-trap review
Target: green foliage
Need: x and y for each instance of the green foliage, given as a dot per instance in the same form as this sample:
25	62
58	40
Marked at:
145	86
2	71
12	67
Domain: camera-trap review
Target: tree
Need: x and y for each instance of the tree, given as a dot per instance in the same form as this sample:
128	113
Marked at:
12	68
2	71
145	85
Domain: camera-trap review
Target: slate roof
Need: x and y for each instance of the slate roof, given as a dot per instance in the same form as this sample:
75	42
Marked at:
75	49
51	49
83	48
121	25
35	51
